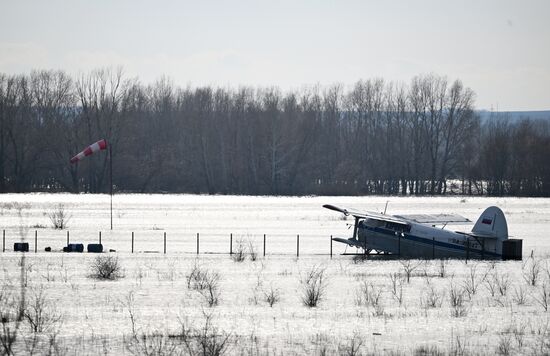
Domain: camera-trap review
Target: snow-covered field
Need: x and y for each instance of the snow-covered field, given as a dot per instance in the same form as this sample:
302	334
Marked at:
368	305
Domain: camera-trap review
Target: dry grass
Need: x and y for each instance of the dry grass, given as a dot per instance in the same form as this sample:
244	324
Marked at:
382	297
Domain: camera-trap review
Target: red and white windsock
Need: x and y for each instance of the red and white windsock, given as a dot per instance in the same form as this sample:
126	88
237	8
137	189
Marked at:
94	147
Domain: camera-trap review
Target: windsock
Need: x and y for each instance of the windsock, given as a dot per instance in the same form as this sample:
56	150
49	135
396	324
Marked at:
94	147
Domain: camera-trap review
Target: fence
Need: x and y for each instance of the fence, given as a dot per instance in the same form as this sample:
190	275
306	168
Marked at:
150	242
185	242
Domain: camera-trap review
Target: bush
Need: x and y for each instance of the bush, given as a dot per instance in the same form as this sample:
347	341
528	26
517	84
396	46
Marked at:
531	271
456	299
40	314
397	287
272	296
59	217
242	250
353	346
211	291
432	298
314	287
240	253
9	320
543	297
207	339
106	267
367	294
252	251
206	282
408	267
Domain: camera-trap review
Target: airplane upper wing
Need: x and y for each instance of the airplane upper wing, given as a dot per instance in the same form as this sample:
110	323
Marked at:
434	218
369	215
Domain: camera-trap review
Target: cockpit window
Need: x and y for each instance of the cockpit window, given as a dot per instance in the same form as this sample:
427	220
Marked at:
374	223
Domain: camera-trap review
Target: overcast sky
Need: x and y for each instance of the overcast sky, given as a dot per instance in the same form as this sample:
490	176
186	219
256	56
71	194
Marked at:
500	48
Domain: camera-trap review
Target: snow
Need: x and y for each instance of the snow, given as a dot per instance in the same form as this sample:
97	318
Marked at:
95	313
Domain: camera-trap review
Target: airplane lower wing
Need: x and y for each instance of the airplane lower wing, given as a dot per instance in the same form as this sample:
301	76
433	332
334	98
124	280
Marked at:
351	241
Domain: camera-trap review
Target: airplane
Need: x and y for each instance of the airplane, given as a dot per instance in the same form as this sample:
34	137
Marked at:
418	236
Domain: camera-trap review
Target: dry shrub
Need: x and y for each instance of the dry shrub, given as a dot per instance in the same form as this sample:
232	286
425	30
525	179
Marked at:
431	350
442	272
211	292
106	267
206	282
531	271
397	287
10	323
43	320
472	281
314	286
272	296
353	345
456	299
520	296
239	255
244	249
504	346
433	298
205	340
409	266
40	314
59	217
543	296
252	251
368	295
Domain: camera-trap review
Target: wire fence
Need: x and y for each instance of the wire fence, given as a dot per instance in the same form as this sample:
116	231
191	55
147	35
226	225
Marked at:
165	242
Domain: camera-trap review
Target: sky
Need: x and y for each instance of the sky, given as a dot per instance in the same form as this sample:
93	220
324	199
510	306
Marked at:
498	48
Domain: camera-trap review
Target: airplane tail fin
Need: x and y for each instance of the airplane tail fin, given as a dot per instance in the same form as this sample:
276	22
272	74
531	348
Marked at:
492	223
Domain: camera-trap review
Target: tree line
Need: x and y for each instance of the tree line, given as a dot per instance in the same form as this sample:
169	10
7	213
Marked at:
375	137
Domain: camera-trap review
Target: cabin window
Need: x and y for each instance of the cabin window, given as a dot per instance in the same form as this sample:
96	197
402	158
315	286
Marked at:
397	227
372	223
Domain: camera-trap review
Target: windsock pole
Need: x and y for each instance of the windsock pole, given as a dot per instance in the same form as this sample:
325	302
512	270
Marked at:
111	180
91	149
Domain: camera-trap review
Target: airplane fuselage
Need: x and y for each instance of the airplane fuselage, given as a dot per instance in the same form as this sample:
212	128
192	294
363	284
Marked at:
418	240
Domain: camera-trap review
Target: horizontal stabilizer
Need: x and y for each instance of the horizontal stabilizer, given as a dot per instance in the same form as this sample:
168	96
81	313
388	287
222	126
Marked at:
482	236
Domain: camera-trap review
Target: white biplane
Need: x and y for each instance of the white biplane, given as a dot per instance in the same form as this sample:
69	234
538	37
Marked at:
425	236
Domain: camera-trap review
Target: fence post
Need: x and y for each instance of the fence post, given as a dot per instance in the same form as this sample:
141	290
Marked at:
100	237
399	245
165	242
197	243
264	245
231	243
3	240
467	249
297	245
132	242
35	240
433	247
331	247
67	238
